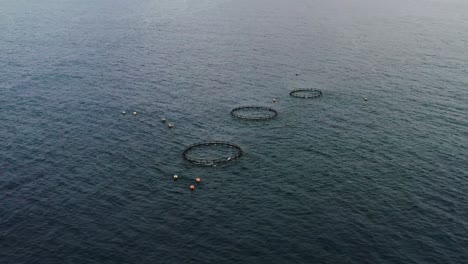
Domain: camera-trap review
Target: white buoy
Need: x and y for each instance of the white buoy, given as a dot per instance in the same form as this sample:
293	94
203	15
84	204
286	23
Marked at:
176	177
275	100
170	125
123	112
134	113
164	120
365	98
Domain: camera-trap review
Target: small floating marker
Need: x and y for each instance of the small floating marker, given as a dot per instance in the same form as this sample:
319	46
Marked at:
164	120
275	100
192	187
297	74
123	112
365	98
198	180
170	125
176	177
135	113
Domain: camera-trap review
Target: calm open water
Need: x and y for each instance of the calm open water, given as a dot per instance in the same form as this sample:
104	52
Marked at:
333	180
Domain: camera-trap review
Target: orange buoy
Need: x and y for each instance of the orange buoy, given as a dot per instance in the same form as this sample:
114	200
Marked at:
198	180
192	187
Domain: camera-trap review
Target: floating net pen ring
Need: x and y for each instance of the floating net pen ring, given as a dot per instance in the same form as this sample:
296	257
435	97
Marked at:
212	152
253	112
306	93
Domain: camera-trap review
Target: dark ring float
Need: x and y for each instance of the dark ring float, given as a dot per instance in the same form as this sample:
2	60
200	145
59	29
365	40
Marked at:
306	93
253	112
191	152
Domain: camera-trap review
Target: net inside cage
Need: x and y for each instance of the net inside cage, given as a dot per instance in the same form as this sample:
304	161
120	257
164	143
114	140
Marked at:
210	153
306	93
254	112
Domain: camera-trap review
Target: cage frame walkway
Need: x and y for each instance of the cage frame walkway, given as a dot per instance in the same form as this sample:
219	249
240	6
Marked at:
210	162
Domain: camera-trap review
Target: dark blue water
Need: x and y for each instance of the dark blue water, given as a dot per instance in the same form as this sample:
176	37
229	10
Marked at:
333	180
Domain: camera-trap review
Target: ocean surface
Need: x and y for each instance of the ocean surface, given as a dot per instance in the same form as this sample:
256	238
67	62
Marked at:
332	180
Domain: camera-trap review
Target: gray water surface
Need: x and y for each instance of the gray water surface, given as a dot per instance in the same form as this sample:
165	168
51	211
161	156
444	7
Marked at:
332	180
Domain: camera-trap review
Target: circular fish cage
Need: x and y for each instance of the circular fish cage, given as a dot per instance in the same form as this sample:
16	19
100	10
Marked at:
212	153
306	93
255	113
